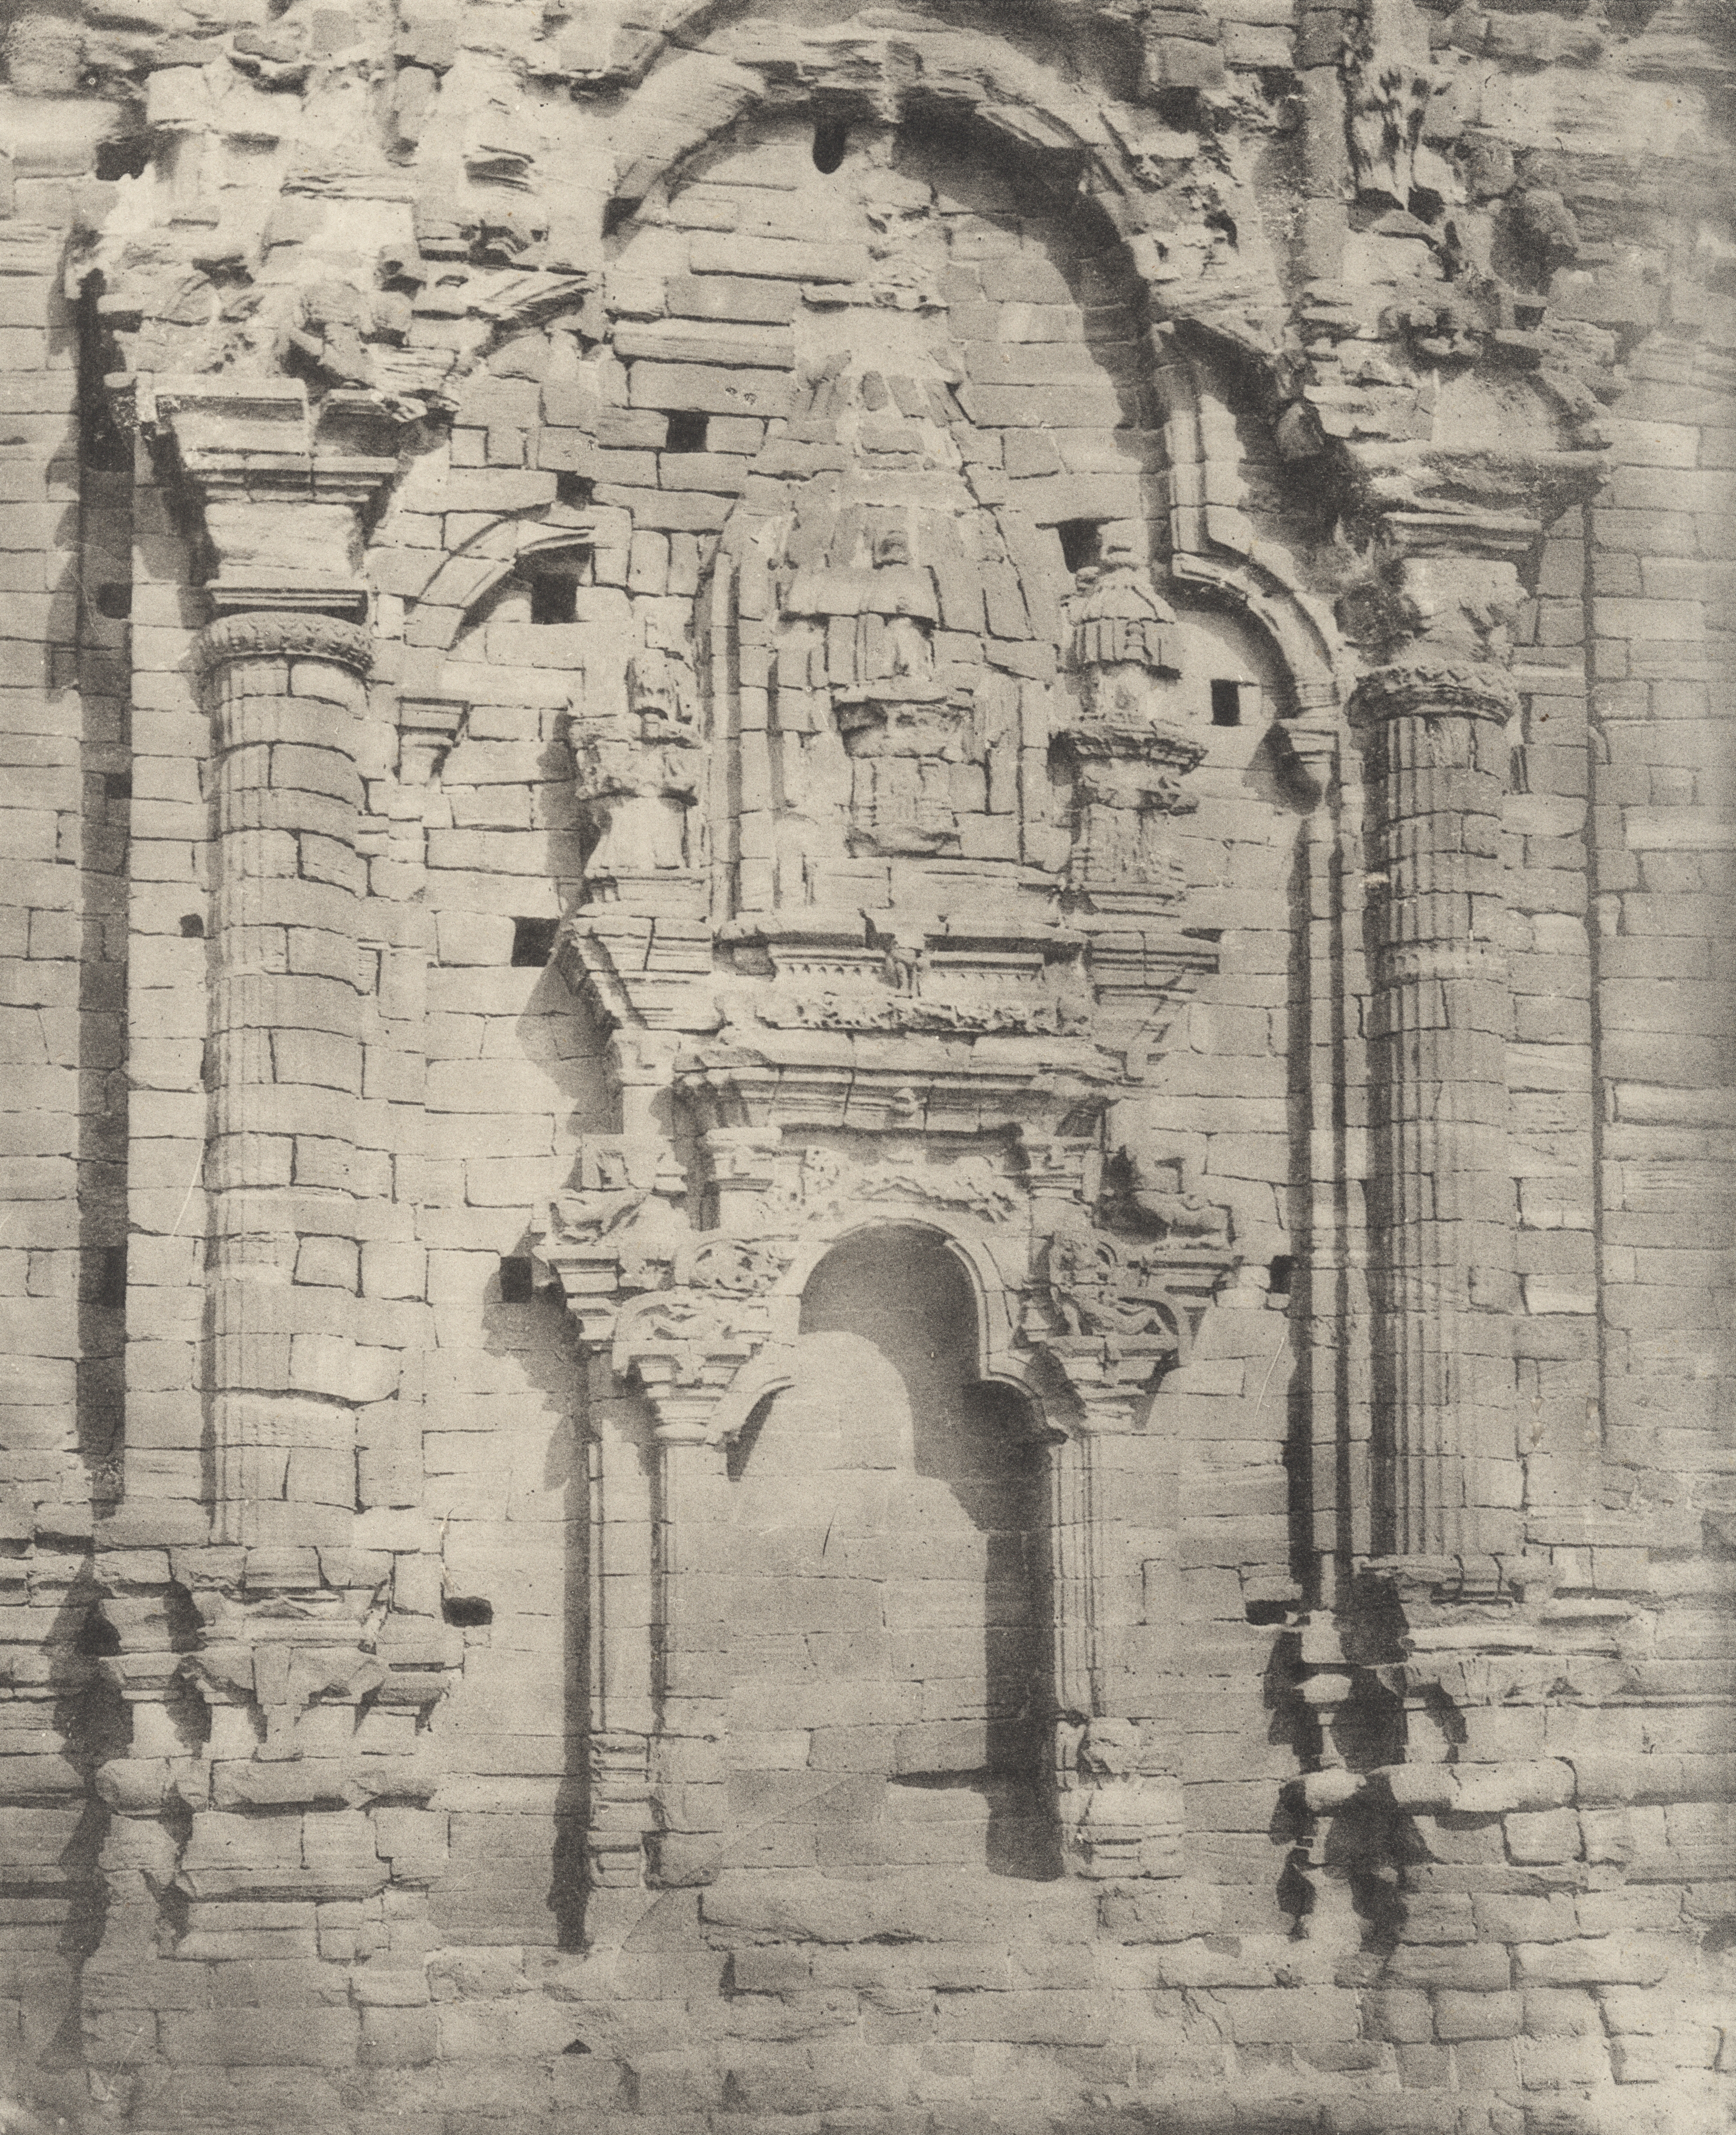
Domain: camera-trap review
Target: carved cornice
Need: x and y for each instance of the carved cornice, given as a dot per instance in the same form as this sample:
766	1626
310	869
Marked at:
1468	690
284	634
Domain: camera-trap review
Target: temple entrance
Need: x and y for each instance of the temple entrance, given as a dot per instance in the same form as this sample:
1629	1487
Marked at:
891	1672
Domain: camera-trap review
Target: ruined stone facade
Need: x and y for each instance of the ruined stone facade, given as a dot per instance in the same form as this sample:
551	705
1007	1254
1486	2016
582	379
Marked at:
865	952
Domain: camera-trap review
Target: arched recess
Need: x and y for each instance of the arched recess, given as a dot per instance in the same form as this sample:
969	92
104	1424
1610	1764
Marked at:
892	1698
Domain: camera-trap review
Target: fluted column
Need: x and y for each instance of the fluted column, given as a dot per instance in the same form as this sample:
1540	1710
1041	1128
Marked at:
284	1065
1447	1482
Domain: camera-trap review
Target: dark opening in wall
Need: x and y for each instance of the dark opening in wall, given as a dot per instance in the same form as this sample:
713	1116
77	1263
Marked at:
111	1277
1081	543
468	1611
128	157
573	489
553	599
192	926
831	139
516	1287
1227	703
532	942
114	600
1279	1274
116	786
686	431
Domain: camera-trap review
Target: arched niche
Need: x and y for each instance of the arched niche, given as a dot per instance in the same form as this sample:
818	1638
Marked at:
892	1693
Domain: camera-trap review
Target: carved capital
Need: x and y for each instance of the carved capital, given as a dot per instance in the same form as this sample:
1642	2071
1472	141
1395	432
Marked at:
684	1346
285	634
1464	689
282	511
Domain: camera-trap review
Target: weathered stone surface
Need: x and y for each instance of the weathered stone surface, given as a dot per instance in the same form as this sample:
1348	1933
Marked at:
863	981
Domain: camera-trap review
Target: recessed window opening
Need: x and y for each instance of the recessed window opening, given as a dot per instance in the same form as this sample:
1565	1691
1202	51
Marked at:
1227	703
516	1287
686	431
114	600
553	599
1081	543
468	1611
532	942
1280	1275
831	139
574	489
192	926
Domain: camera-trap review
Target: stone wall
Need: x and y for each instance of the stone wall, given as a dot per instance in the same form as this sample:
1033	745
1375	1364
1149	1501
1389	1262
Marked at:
866	1261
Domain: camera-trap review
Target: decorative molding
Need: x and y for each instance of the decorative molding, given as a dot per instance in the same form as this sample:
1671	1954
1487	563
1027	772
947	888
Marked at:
287	634
1464	689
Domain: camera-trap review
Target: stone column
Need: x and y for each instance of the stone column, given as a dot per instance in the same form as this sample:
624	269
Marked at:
1447	1482
284	1067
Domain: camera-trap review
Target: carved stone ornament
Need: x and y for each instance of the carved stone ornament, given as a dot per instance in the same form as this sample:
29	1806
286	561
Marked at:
825	1185
1126	781
742	1266
1120	636
1123	1821
284	635
1461	689
1098	1284
637	777
678	1339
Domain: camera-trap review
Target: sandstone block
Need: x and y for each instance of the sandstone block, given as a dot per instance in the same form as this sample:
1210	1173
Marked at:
1547	1835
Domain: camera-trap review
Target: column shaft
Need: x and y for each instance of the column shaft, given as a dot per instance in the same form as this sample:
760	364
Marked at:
284	1067
1446	1479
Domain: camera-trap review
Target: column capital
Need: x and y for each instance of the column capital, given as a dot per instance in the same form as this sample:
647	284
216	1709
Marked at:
1465	689
285	634
281	501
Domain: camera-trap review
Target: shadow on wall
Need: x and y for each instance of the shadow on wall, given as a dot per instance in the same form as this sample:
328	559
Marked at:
517	1536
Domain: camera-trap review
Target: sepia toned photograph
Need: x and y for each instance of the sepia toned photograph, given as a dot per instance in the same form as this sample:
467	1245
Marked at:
867	1067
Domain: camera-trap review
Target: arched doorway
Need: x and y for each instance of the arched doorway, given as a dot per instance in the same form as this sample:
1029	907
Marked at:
889	1518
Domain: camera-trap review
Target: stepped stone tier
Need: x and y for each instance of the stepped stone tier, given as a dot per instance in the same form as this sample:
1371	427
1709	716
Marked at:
866	1069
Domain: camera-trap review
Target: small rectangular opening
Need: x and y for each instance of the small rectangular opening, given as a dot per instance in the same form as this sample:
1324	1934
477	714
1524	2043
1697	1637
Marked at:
1227	703
686	431
515	1284
532	942
553	599
1081	543
573	489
